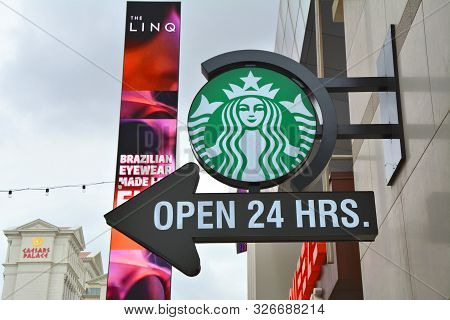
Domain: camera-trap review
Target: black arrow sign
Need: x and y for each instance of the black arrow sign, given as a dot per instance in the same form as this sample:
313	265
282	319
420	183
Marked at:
169	217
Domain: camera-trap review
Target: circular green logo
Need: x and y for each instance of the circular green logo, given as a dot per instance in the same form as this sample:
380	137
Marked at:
252	125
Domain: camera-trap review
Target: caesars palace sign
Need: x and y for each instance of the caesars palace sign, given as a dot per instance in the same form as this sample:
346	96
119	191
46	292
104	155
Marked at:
37	251
259	120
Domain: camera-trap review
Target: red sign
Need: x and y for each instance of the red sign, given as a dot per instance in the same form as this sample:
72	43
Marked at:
35	253
313	256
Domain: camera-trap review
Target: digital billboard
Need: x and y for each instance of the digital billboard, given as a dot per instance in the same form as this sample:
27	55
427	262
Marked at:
147	138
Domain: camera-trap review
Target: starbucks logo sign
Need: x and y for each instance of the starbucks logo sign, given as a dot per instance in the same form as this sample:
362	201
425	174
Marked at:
251	125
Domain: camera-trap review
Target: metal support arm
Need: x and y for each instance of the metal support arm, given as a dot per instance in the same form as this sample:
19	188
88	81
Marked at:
366	131
366	84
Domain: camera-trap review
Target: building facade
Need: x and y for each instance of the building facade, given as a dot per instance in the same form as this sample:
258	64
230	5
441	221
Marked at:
412	251
96	288
44	261
410	259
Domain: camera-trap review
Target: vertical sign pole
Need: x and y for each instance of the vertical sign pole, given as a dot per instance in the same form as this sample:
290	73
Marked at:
147	139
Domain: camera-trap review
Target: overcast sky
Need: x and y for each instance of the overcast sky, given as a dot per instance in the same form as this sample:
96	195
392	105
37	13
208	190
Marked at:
60	71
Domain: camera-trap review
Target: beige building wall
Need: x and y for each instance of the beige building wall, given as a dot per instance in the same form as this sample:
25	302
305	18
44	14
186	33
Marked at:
96	288
62	273
270	269
410	258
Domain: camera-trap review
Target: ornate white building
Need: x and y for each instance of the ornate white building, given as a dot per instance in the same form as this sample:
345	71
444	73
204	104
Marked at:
44	261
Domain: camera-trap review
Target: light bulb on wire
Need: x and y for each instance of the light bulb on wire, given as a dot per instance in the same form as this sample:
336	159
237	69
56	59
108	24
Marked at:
47	191
83	188
10	194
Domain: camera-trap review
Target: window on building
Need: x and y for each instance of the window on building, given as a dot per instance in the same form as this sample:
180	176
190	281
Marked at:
93	291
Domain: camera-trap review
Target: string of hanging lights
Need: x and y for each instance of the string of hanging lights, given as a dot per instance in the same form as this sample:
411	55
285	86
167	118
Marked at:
82	186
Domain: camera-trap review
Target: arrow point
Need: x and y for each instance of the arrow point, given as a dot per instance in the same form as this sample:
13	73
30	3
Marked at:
194	272
194	268
134	219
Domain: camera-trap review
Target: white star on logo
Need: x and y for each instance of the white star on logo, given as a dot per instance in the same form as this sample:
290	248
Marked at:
250	81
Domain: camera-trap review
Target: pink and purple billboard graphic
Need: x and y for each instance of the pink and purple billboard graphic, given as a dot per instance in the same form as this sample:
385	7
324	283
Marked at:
147	139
